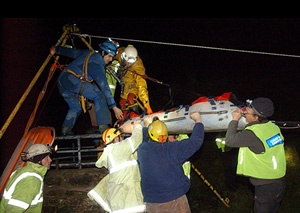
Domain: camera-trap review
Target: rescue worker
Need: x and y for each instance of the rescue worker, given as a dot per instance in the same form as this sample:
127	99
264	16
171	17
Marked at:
163	182
261	154
120	191
112	80
24	189
77	80
132	72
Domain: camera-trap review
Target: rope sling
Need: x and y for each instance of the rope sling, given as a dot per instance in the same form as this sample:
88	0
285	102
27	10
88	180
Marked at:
84	78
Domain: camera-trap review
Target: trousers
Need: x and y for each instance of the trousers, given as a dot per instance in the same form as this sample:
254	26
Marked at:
179	205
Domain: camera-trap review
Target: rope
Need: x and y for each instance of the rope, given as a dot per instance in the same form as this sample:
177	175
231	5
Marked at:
193	46
224	201
32	83
52	70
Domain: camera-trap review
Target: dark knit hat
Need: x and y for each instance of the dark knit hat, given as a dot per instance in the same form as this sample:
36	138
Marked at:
38	158
263	107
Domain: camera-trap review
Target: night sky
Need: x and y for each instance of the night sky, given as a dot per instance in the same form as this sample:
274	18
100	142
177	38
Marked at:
193	55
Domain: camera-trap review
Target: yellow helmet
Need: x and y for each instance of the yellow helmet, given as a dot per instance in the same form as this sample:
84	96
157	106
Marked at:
109	135
158	131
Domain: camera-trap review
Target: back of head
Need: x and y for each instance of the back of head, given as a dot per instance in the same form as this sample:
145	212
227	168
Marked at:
36	152
110	134
130	54
158	131
263	107
109	46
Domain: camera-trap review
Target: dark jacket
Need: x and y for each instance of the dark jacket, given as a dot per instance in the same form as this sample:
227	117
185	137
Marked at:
162	176
95	69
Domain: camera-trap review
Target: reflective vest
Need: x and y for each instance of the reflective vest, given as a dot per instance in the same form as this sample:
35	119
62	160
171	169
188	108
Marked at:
24	189
187	168
220	142
120	191
187	164
268	165
112	82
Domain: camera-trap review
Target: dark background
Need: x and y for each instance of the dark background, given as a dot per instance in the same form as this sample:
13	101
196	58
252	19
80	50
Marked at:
196	56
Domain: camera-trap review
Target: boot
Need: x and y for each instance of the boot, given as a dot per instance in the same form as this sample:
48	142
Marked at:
134	108
102	128
65	130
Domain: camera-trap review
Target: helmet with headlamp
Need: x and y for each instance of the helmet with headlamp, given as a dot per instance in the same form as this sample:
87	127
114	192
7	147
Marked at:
109	46
262	107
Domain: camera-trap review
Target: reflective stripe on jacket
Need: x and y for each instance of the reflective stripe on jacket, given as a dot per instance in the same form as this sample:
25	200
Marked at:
120	191
24	189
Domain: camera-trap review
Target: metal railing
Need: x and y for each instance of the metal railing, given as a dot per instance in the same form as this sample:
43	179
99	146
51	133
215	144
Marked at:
76	151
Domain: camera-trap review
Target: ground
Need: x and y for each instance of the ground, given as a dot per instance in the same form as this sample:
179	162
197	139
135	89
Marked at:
66	189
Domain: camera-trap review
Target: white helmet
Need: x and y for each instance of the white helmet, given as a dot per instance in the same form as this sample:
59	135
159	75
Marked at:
37	149
130	54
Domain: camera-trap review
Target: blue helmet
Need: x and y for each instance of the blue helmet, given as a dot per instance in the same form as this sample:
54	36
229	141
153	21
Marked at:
109	46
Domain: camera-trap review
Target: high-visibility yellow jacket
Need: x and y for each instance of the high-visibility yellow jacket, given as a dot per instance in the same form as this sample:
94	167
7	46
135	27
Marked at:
187	164
24	190
112	83
268	165
220	142
120	190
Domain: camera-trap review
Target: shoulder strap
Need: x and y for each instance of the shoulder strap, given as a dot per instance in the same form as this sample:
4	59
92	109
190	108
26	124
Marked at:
85	66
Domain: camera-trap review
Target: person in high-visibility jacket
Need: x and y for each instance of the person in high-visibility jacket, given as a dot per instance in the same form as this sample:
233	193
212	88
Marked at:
119	191
132	72
261	154
24	190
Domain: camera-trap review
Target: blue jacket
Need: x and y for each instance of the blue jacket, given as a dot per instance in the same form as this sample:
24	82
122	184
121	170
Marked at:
162	175
96	69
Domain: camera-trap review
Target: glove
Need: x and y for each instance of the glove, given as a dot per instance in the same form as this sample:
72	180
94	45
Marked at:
149	110
52	50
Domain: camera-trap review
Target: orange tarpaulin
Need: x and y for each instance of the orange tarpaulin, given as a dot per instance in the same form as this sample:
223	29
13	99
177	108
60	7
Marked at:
43	135
224	97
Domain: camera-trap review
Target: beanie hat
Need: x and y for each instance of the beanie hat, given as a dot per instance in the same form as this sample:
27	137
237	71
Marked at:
263	107
38	158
